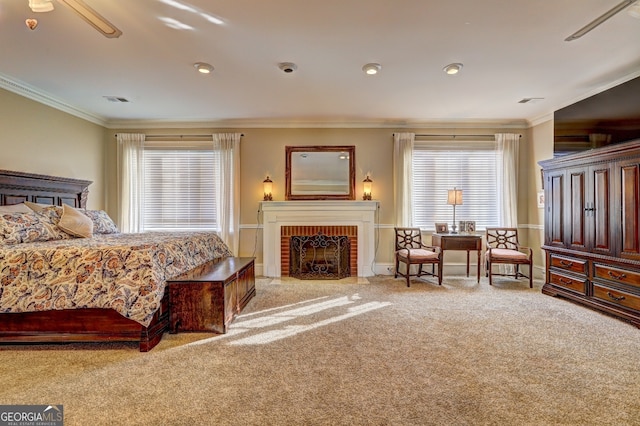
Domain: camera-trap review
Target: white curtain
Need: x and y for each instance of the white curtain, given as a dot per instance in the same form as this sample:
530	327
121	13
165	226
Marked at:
228	195
402	177
508	145
130	181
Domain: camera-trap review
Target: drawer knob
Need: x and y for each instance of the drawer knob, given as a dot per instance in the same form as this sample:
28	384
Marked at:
617	277
616	298
566	264
565	282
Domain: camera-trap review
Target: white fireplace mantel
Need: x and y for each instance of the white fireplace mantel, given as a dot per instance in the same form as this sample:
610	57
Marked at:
276	214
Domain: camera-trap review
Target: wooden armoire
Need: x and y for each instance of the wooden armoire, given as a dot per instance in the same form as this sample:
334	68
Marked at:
591	226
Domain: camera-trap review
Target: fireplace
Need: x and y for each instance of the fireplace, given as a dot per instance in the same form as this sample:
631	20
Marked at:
283	219
329	232
319	256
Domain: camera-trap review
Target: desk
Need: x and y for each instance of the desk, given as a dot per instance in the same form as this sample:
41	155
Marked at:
466	242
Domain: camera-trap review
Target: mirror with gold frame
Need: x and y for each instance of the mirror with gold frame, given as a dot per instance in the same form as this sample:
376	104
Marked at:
320	172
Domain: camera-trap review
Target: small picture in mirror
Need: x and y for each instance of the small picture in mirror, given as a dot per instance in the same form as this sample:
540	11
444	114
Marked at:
442	228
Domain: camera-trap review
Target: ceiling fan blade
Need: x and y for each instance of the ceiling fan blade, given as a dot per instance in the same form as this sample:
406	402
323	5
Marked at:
599	20
93	18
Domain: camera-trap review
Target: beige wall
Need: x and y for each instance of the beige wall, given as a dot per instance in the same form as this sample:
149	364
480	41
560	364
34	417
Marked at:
263	153
39	139
540	148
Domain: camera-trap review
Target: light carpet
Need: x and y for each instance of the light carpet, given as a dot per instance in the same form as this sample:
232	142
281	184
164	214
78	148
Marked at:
377	353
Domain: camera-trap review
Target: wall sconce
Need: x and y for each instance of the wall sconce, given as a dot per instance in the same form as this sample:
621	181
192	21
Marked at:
367	188
454	198
267	184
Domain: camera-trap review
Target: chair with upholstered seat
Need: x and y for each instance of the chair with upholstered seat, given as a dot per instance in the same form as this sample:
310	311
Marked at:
503	248
411	251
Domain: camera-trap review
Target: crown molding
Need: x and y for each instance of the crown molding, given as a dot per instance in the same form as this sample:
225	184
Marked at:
541	119
293	123
34	94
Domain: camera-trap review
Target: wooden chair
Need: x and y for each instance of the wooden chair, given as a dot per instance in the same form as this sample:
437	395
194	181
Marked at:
503	248
411	251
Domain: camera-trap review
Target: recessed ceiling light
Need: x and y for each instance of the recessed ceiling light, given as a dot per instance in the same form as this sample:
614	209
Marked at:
287	67
202	67
372	68
452	69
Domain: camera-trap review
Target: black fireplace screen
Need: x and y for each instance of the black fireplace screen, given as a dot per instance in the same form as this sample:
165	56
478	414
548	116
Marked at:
319	257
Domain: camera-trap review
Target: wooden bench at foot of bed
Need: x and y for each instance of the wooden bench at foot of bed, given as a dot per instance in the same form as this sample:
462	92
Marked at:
208	297
83	325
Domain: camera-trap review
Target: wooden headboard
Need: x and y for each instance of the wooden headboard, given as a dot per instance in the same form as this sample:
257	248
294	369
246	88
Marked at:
18	187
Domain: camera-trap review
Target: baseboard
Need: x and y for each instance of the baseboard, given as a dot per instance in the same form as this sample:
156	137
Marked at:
456	269
449	269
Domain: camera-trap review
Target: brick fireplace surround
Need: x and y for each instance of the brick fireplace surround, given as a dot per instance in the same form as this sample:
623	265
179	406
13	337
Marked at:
287	232
329	217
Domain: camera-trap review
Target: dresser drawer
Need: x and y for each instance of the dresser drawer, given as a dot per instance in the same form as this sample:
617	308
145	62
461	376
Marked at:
617	275
618	297
565	281
578	266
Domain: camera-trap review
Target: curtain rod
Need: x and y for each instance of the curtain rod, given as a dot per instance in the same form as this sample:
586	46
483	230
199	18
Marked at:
179	136
454	136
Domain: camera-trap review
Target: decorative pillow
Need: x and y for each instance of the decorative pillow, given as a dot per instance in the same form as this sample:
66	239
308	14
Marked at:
15	208
37	207
18	228
73	222
51	215
102	223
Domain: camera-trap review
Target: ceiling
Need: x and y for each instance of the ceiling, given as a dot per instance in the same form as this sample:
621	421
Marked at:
511	49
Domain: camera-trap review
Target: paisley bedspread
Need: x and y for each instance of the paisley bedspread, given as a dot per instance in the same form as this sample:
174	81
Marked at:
124	272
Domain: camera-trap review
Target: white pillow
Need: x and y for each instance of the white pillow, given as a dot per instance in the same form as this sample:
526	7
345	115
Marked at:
75	223
15	208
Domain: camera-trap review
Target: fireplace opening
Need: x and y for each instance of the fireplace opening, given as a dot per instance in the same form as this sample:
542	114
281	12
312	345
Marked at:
319	256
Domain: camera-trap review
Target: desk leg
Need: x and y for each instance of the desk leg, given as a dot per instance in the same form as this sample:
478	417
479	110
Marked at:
479	252
467	263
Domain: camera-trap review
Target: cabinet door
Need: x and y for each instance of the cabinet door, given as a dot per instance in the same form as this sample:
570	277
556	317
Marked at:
629	174
589	209
598	209
554	220
577	202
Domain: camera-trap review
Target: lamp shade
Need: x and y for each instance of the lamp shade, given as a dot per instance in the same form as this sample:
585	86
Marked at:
267	185
367	184
454	197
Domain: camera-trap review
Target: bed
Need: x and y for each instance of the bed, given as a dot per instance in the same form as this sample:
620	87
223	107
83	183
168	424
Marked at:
108	286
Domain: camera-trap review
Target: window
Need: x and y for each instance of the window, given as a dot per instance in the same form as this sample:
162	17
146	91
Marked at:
470	166
179	188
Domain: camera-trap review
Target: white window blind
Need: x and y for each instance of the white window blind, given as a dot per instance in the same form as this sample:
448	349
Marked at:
180	184
470	166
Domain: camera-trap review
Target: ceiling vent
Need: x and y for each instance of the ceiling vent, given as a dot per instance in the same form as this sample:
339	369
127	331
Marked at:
116	99
529	100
